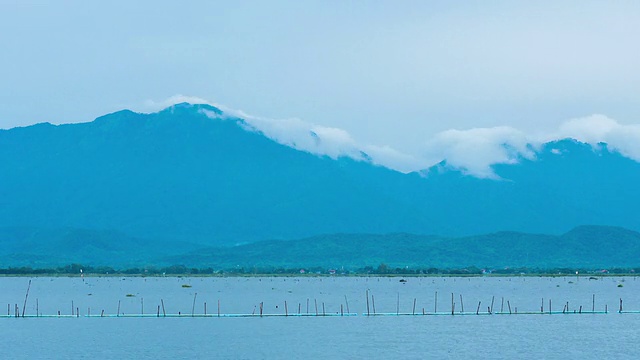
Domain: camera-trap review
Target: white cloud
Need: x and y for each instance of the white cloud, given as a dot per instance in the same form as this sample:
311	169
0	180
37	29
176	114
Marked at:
596	129
397	160
475	150
308	137
472	151
302	135
332	142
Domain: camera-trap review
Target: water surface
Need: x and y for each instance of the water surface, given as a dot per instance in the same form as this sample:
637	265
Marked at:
586	336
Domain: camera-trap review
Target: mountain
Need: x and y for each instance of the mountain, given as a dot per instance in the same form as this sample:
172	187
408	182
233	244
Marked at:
585	247
47	247
180	176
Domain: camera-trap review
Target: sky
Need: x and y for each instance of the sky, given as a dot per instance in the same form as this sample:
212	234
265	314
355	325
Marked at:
415	81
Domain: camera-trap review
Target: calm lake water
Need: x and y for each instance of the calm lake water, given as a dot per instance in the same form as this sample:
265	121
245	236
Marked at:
558	336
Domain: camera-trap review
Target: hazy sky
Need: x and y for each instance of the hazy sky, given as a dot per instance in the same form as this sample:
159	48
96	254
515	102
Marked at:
394	73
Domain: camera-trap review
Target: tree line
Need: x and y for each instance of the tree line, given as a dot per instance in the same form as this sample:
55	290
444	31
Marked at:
381	269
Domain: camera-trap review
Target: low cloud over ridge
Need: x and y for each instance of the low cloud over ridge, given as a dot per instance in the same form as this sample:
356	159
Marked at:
472	151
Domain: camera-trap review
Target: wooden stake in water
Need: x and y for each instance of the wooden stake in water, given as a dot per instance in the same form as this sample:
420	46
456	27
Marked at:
435	306
461	305
341	312
414	306
502	305
478	309
164	313
193	307
72	308
286	310
308	305
542	306
37	308
316	302
323	313
367	293
491	309
373	303
205	308
509	305
158	313
398	305
620	305
347	303
452	304
25	298
593	303
118	314
142	306
549	306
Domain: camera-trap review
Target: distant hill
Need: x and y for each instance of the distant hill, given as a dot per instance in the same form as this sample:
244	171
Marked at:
590	247
180	176
584	247
44	247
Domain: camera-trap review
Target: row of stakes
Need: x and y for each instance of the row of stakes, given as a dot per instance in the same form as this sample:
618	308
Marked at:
371	309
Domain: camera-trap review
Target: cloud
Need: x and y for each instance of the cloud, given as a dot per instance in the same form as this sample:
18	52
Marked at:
472	151
596	129
305	136
475	150
397	160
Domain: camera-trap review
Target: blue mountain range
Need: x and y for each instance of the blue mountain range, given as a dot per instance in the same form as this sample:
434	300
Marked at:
180	177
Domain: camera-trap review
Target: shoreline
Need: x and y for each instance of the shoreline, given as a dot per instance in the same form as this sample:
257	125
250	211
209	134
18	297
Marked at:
267	275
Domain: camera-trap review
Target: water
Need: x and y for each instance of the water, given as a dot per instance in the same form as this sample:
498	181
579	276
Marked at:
586	336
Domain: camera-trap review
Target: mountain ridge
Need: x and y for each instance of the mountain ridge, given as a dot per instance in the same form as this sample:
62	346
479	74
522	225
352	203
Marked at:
497	250
183	175
585	247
